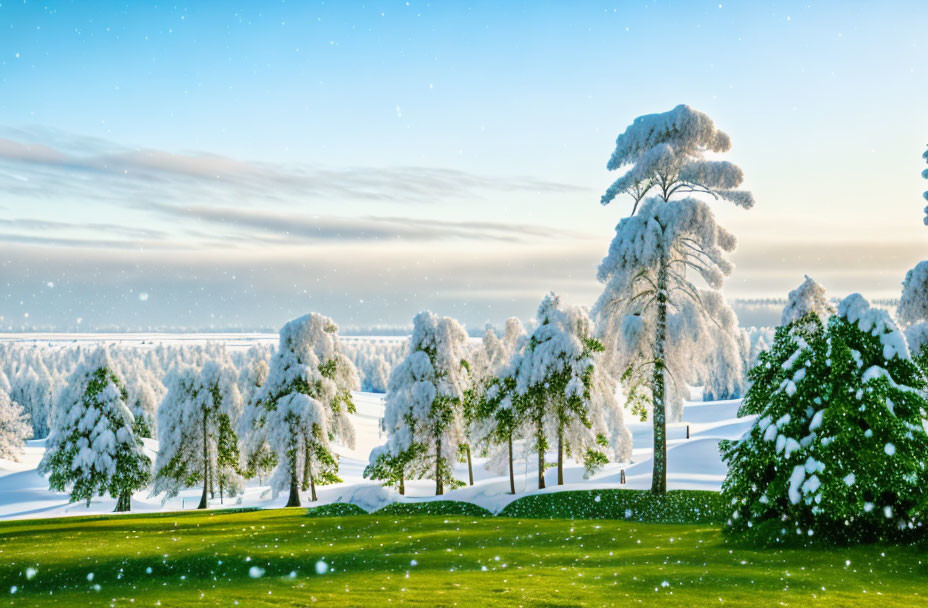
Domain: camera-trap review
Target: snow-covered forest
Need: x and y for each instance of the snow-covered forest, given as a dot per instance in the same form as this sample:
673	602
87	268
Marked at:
594	394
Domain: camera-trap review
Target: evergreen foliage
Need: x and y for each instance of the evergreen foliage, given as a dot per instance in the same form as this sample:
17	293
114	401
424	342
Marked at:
838	451
198	443
93	449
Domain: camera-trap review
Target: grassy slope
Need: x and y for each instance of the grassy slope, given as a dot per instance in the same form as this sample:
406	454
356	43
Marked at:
199	559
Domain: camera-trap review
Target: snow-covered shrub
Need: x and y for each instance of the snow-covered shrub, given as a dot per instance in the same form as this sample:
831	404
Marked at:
92	448
14	427
423	412
303	406
196	422
838	449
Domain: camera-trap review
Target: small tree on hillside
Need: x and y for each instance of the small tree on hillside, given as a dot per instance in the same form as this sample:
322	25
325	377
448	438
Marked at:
501	420
14	428
92	449
646	269
486	362
304	406
424	405
558	391
196	431
838	448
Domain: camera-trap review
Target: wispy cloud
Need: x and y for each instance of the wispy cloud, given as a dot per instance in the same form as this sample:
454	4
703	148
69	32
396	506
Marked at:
48	163
289	228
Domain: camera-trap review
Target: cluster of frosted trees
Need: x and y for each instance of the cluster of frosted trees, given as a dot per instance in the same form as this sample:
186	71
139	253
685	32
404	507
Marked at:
278	413
33	377
447	398
374	359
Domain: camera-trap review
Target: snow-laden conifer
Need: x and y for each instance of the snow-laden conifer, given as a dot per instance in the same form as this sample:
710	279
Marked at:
809	297
486	361
196	431
913	302
259	459
32	389
303	407
14	427
144	394
562	392
423	412
654	252
491	423
92	449
838	447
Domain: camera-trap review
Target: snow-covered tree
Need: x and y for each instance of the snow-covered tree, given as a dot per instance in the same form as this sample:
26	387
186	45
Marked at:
809	297
913	302
92	448
838	447
14	428
145	391
32	389
489	423
196	432
259	458
423	412
925	194
303	407
486	360
562	392
912	312
650	312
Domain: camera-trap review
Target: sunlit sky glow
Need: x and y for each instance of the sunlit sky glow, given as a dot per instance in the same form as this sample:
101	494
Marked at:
233	166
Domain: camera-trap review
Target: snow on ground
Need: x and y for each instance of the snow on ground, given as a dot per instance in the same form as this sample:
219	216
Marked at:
694	463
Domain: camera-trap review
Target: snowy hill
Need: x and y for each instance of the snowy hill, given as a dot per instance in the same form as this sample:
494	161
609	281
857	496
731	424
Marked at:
694	463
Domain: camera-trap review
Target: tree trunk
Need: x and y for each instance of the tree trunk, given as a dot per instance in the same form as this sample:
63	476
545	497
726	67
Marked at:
203	502
307	474
123	504
512	474
402	483
470	467
312	480
560	455
220	489
212	476
539	441
439	489
658	385
294	500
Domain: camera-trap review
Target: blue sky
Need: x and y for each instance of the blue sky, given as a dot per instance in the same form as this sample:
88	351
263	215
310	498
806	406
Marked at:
241	164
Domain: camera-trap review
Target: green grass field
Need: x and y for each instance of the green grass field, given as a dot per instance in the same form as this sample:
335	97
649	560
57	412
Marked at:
287	558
